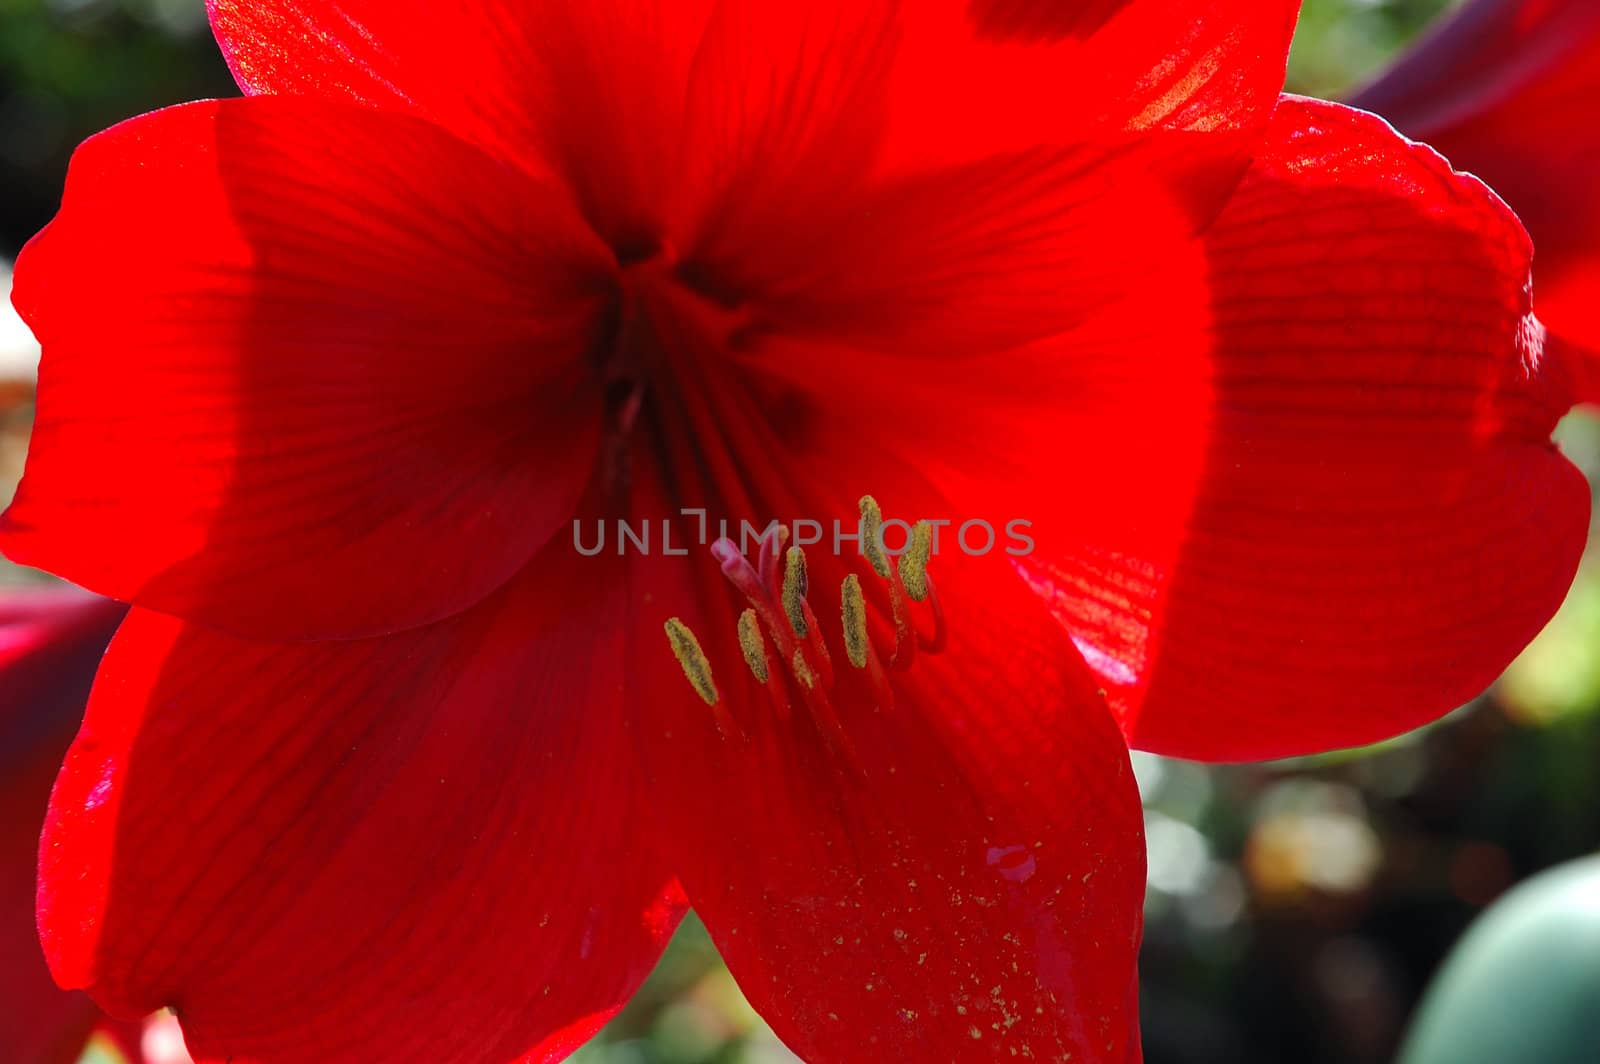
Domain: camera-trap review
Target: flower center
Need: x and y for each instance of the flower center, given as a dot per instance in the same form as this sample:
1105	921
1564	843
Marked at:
779	626
664	358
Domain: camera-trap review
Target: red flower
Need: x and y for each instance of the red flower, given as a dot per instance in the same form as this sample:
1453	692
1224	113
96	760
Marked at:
342	362
1507	89
50	642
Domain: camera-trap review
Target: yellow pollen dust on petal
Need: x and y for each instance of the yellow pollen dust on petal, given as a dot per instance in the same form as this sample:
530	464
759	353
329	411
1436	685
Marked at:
853	607
753	644
914	562
872	535
695	666
794	589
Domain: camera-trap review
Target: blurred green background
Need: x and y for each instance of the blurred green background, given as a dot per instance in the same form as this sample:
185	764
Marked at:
1296	911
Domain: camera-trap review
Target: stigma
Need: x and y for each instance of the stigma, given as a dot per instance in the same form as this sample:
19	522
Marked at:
784	646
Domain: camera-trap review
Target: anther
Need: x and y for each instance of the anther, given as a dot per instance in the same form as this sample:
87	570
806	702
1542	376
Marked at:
753	644
695	666
794	590
872	535
692	658
853	607
914	562
690	655
698	672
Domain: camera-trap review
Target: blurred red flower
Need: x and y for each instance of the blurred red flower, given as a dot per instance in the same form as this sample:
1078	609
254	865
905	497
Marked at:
342	362
1510	90
50	642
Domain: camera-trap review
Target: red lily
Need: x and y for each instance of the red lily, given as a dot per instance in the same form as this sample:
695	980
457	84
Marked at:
1507	90
50	642
342	361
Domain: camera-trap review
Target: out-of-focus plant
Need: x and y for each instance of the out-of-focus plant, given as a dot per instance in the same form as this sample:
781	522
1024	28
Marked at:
68	67
1524	984
1343	41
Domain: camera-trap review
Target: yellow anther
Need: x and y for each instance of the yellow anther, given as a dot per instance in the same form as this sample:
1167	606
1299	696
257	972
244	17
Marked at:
914	562
695	666
872	536
753	644
794	589
802	670
854	608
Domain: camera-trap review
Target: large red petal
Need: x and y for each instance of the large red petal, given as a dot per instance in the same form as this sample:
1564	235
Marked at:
965	259
980	77
1506	89
958	876
926	177
784	118
308	369
423	848
1256	481
593	89
50	642
1369	519
957	873
39	1022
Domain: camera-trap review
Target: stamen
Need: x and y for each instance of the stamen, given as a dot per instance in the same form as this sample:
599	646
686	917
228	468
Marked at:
794	590
753	645
802	671
695	666
853	606
913	563
905	629
779	613
872	535
934	643
820	655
